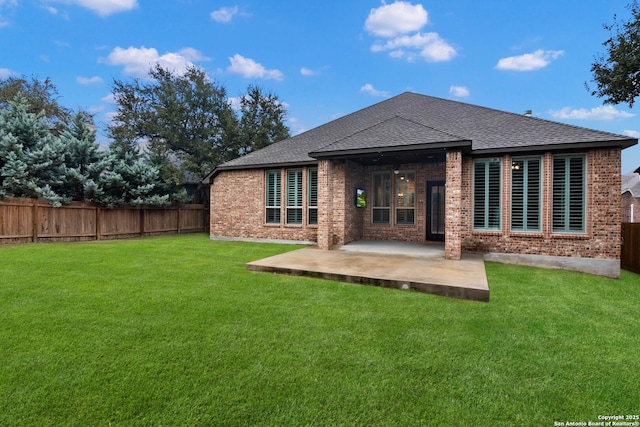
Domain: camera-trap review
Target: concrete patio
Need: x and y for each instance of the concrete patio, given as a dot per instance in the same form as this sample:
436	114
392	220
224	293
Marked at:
416	266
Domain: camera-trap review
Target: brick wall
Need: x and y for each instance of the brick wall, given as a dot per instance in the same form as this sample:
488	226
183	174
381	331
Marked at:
453	194
602	236
325	205
346	178
238	208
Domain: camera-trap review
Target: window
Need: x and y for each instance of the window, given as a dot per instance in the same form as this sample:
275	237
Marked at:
272	199
381	197
294	197
312	191
526	194
486	194
569	194
405	197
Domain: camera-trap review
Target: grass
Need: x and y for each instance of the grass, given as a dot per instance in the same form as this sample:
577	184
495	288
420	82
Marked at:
174	331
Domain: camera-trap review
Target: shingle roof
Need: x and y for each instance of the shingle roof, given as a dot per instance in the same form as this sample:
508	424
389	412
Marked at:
411	120
396	132
631	183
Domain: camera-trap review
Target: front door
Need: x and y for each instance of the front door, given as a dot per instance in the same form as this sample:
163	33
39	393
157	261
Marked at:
435	210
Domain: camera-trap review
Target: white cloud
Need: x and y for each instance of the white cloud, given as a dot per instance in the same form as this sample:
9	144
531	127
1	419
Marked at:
368	88
224	14
96	109
89	80
249	68
632	133
109	98
5	72
235	102
529	61
57	12
6	4
400	17
399	24
138	61
307	72
428	46
102	7
605	112
459	91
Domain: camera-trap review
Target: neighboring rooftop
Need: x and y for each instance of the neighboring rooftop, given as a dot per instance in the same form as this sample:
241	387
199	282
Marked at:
411	121
631	183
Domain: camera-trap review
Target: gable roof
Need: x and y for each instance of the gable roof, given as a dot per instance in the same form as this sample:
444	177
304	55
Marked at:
631	183
410	121
393	134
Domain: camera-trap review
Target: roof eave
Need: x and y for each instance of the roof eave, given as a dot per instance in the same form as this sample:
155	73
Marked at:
622	144
394	149
211	176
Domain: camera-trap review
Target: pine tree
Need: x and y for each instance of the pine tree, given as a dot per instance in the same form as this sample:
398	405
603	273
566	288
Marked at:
84	162
29	154
130	180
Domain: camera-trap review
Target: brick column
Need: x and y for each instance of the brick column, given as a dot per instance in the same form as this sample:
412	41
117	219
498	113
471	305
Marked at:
325	210
453	220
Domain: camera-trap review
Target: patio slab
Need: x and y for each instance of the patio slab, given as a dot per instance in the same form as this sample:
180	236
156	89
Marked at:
419	267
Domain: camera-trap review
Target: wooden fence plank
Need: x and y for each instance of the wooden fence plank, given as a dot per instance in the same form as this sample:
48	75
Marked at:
630	248
30	220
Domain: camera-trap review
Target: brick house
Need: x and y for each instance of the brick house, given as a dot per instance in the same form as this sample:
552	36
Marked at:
631	196
418	168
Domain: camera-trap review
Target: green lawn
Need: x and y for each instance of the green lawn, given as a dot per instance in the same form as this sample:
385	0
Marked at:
173	331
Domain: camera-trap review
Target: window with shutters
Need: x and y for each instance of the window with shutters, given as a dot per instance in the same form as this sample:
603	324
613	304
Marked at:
526	194
405	190
381	202
312	203
272	199
294	197
487	200
569	194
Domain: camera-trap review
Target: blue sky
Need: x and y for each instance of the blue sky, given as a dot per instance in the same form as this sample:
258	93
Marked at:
327	58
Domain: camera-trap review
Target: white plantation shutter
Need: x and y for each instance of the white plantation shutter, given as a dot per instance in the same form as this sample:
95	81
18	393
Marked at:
272	199
487	200
569	194
294	197
312	191
526	194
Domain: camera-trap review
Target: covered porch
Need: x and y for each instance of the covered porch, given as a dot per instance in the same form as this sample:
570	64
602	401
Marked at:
432	212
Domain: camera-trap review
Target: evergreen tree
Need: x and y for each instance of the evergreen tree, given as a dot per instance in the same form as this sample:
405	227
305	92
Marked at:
84	162
130	180
29	154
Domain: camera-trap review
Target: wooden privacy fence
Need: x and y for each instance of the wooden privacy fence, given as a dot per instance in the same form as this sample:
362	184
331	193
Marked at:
30	220
630	250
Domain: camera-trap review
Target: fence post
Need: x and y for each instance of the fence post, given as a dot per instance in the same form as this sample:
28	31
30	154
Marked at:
98	223
35	220
142	221
178	219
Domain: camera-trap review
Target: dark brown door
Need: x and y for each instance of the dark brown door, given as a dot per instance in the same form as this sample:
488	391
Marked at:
435	210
